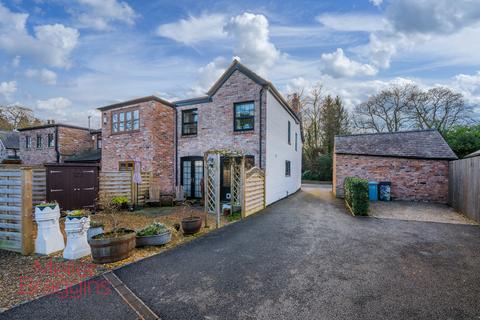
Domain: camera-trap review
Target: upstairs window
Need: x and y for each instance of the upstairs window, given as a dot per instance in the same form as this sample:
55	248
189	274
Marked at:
39	141
289	133
51	140
244	116
28	142
125	121
189	122
296	141
287	168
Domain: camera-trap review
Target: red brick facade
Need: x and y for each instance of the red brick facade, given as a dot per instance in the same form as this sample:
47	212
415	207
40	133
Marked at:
153	144
215	121
70	141
412	179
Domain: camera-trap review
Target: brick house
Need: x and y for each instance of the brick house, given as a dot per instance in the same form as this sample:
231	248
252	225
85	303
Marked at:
53	143
415	162
141	130
241	112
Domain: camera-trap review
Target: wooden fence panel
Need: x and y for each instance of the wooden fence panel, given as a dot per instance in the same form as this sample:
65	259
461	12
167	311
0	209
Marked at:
16	222
120	183
464	187
39	186
254	192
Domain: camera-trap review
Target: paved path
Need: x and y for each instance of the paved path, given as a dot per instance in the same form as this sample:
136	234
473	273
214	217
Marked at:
303	258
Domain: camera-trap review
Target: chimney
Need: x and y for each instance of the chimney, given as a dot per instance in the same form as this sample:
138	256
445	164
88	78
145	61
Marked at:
295	104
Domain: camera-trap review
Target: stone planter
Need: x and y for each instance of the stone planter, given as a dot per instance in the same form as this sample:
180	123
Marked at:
77	244
94	231
156	240
191	225
106	250
49	237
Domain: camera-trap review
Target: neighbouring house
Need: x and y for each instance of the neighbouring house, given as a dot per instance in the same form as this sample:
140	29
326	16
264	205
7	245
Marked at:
140	131
53	143
241	112
473	154
9	146
415	162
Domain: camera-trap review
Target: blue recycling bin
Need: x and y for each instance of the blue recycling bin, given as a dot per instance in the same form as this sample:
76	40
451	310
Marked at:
373	191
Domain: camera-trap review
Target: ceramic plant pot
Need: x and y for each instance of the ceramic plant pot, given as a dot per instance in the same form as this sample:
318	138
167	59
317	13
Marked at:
49	237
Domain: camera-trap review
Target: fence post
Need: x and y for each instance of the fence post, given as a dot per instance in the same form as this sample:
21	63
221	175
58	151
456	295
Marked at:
27	222
133	190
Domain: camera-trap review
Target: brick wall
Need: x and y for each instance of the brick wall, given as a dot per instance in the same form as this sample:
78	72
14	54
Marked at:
215	121
34	155
70	141
153	144
412	179
73	141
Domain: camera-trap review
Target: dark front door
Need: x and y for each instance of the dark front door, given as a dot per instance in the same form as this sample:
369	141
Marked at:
73	187
192	174
225	178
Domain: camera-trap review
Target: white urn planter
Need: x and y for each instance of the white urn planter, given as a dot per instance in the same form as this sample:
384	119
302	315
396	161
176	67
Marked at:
49	238
77	242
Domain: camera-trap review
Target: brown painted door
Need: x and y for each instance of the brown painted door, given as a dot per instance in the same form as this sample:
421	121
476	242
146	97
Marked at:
73	187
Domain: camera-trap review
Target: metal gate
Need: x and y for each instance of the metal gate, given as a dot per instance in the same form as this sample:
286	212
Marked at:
73	186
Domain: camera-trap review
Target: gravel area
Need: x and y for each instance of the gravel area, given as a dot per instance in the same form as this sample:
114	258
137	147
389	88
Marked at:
417	211
23	278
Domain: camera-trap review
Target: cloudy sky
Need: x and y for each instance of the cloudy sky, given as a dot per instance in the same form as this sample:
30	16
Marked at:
64	58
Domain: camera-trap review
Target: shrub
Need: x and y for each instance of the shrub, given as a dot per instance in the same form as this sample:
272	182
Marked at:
321	170
120	201
356	195
154	229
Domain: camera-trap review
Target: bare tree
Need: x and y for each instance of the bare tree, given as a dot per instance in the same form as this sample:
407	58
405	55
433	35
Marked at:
17	116
439	108
386	111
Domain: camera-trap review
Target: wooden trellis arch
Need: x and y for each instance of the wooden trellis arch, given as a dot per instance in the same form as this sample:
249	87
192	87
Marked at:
212	180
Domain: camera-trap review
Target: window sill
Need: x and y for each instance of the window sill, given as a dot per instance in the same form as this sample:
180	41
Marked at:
189	135
244	131
124	132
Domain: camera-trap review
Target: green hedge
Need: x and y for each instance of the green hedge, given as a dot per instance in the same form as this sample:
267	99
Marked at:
356	195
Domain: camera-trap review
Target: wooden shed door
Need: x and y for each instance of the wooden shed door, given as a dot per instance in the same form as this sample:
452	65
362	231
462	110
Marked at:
72	187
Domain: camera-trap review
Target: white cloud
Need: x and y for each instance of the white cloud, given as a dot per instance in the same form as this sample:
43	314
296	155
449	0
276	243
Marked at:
7	89
54	107
338	65
251	41
206	27
16	61
469	86
101	13
432	16
208	74
44	75
376	3
353	22
51	44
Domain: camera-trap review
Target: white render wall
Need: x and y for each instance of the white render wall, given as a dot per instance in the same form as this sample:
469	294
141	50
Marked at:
278	151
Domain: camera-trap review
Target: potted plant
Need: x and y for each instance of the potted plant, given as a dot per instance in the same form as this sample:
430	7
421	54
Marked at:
49	237
116	244
96	227
191	224
153	235
77	224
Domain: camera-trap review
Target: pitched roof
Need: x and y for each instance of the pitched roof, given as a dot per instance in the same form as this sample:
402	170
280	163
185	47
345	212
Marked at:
10	139
234	66
473	154
420	144
135	101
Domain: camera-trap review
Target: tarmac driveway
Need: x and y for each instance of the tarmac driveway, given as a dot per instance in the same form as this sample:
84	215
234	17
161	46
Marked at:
302	258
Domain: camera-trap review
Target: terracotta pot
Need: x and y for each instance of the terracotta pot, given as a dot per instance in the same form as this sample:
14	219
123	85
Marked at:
191	225
106	250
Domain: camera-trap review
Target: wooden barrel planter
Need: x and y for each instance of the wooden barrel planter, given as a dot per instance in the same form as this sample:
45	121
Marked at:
112	249
191	225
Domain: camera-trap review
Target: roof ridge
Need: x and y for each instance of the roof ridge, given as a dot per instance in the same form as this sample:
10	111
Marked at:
381	133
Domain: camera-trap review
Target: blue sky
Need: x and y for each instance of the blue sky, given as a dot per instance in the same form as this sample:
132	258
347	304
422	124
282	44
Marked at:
65	58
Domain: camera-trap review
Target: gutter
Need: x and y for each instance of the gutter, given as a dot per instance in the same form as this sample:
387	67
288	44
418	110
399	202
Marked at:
260	131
